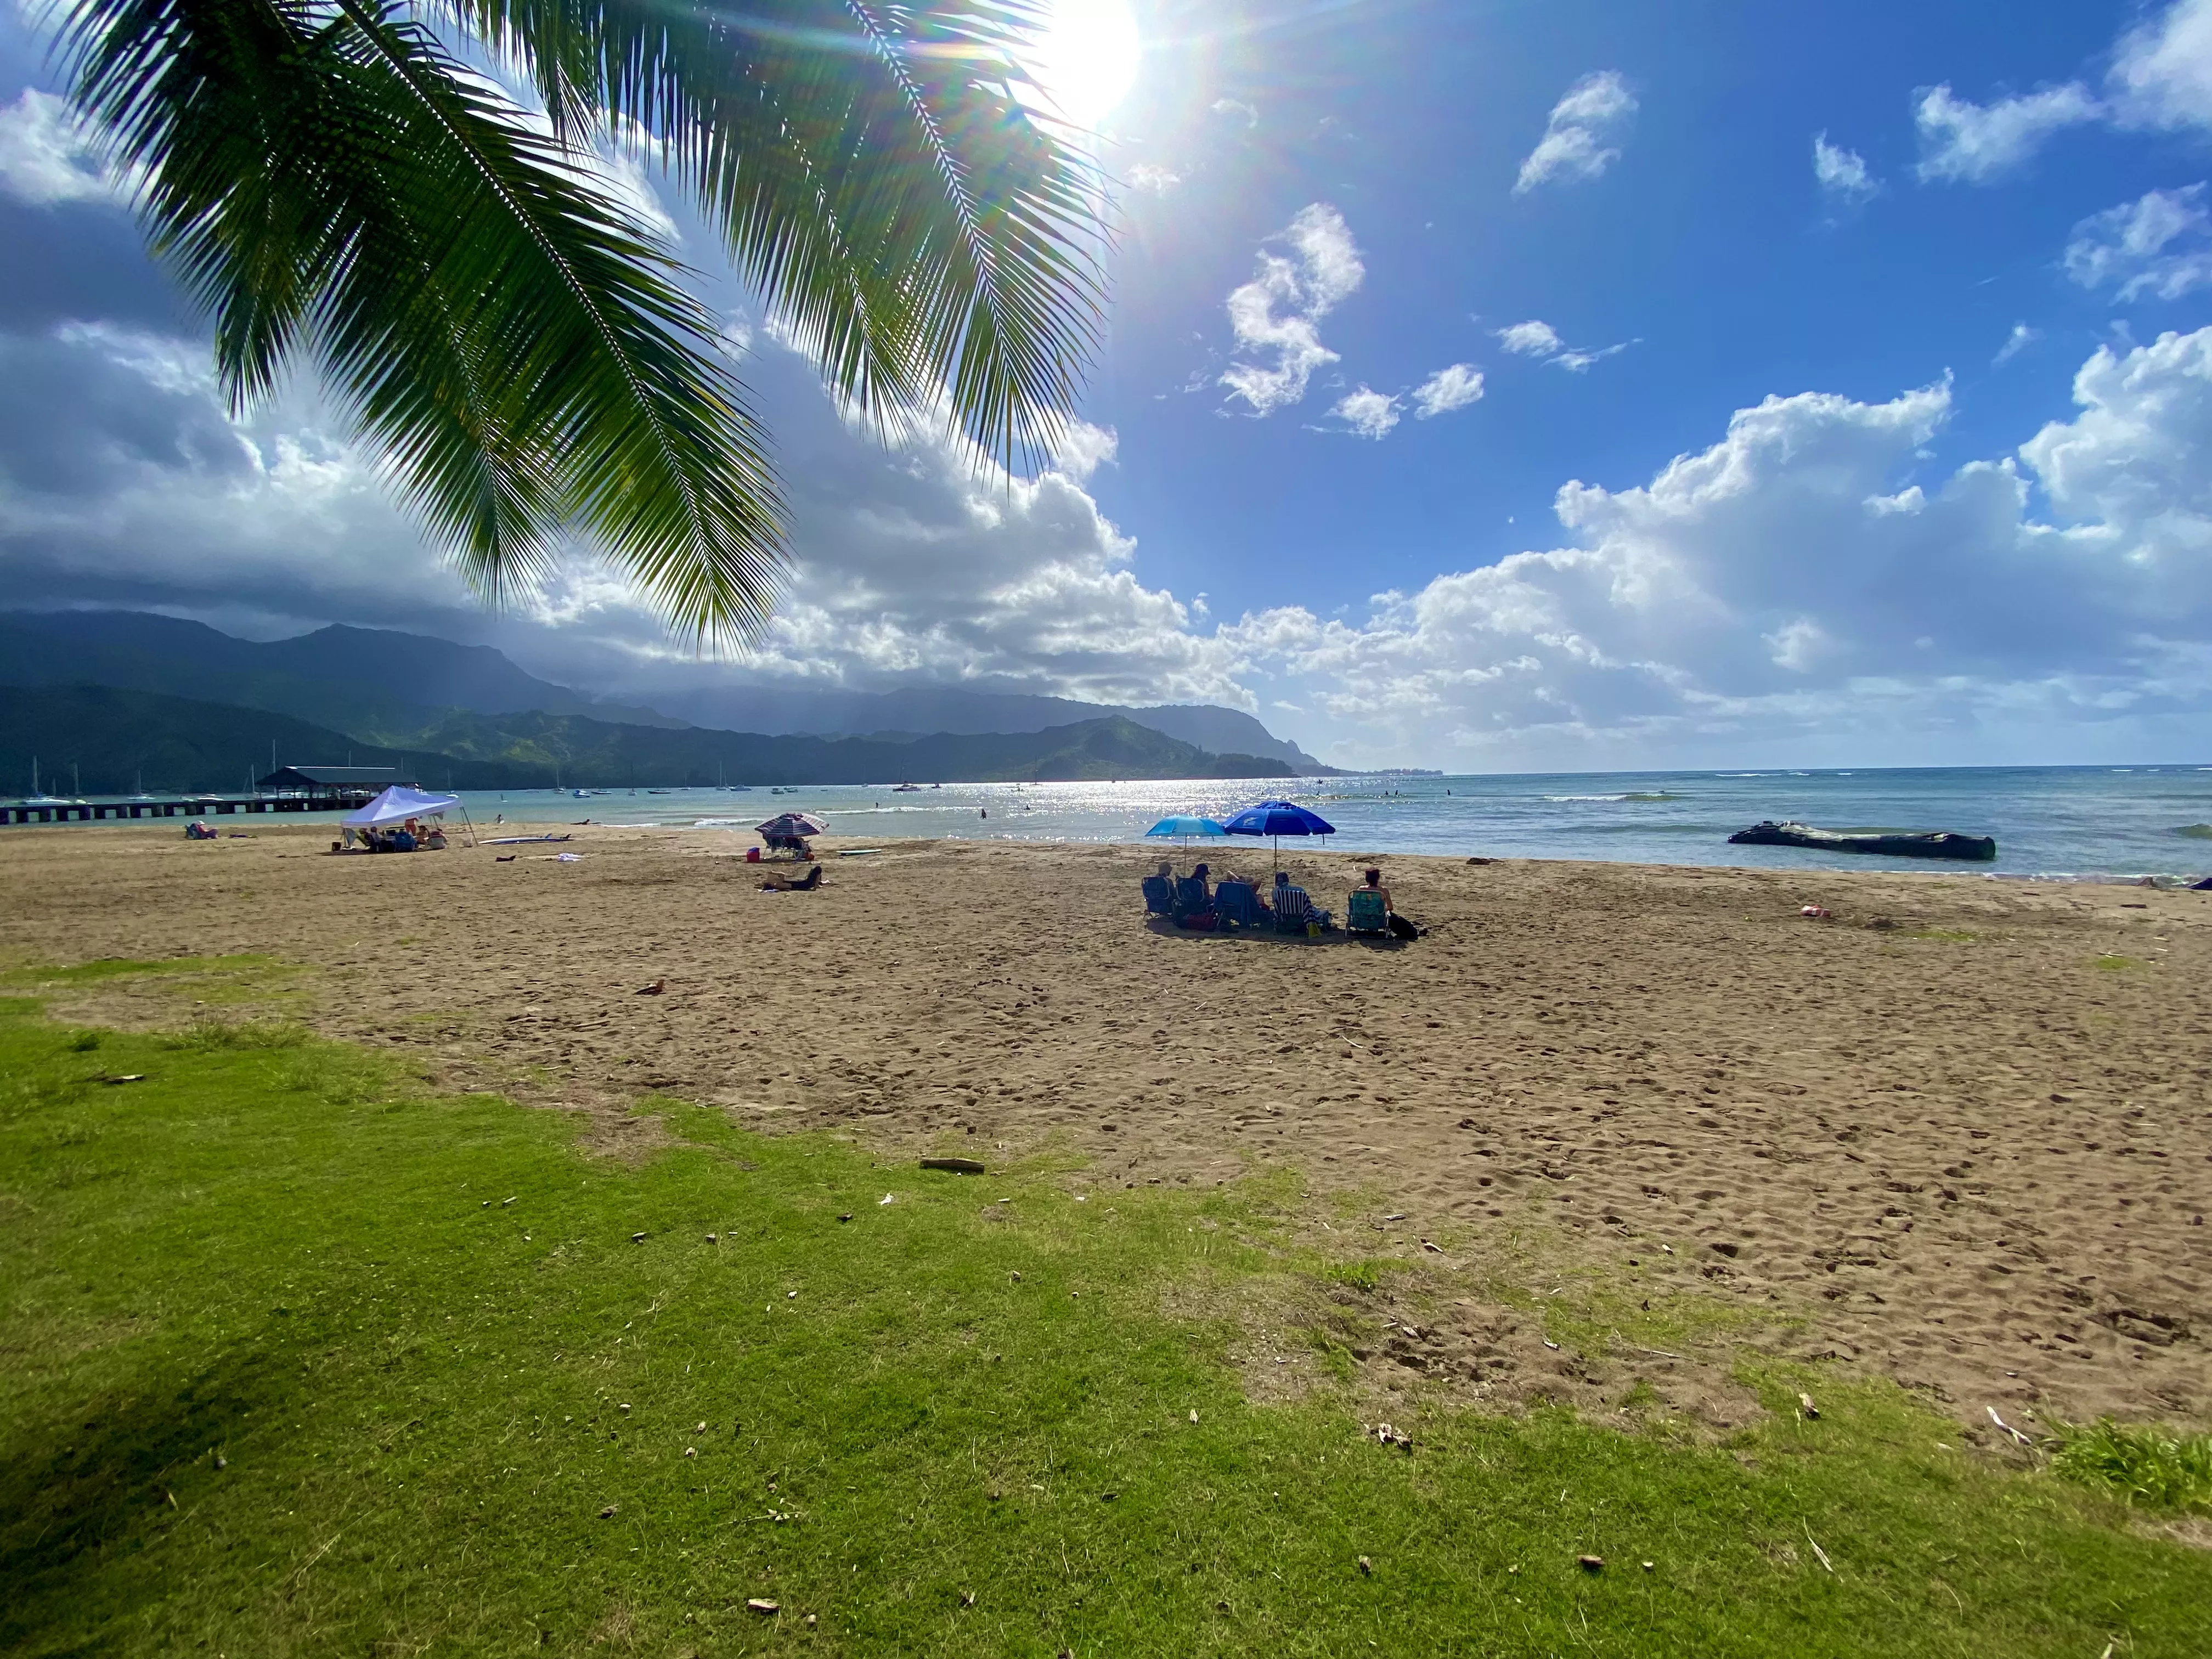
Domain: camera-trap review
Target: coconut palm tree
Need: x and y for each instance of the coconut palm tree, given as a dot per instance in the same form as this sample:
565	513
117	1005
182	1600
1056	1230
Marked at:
362	187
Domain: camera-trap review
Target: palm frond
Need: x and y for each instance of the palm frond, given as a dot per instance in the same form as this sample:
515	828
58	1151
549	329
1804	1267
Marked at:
874	175
328	180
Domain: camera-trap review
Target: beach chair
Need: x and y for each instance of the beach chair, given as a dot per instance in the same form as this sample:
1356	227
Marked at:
1289	917
1238	903
1158	900
1366	912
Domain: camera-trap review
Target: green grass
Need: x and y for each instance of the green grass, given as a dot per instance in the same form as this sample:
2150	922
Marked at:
285	1372
2158	1468
2112	964
107	967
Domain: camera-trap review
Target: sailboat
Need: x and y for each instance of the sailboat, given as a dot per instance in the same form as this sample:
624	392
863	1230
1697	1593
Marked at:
39	797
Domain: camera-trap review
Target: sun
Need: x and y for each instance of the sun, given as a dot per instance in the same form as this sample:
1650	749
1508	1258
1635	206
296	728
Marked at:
1084	59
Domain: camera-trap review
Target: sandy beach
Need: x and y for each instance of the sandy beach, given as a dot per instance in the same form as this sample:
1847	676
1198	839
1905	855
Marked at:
1961	1135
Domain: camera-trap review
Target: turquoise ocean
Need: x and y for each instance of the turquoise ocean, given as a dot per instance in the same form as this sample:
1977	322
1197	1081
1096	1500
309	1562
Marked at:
2053	823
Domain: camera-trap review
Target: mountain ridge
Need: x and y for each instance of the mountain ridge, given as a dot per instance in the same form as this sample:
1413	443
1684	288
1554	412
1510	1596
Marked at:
387	687
106	740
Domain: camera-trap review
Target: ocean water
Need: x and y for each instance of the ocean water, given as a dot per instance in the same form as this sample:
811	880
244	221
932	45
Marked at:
2082	823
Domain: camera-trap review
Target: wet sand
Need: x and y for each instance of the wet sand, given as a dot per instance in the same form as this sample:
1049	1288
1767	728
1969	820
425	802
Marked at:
1959	1136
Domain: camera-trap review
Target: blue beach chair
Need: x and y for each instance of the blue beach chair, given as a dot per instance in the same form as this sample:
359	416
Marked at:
1366	912
1238	903
1159	900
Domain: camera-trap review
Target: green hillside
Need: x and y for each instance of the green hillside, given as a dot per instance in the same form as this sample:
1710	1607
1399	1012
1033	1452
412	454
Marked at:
596	755
101	740
97	740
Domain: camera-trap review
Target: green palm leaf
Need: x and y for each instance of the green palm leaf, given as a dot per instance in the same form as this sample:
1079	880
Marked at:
333	183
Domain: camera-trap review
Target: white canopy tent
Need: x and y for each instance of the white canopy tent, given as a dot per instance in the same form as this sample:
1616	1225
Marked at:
396	804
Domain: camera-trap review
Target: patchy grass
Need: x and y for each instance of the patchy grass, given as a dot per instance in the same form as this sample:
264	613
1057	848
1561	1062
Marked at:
95	973
2112	964
301	1357
2157	1468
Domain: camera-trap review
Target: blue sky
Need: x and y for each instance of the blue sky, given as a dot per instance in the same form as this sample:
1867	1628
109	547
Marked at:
1842	399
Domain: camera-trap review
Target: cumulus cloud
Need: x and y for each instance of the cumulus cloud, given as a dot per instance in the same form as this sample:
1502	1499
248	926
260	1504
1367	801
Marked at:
2159	76
1368	413
46	155
1963	141
1841	173
1232	107
124	481
2160	243
1795	581
1577	138
1452	387
1530	339
2161	71
1153	178
1276	314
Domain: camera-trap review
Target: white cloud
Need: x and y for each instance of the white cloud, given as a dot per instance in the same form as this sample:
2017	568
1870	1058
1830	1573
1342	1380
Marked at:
2160	75
1576	362
1841	173
1541	340
1369	413
47	156
123	481
1530	339
1967	142
1274	315
2160	244
1793	583
2018	341
1232	107
1153	178
1452	387
2162	69
1577	138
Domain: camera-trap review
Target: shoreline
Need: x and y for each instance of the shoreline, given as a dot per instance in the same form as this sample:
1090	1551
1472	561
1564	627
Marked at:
255	826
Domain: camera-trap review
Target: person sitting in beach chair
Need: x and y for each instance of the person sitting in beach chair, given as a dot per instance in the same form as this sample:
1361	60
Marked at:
1238	901
1365	912
1160	892
1294	909
805	884
1194	902
1366	897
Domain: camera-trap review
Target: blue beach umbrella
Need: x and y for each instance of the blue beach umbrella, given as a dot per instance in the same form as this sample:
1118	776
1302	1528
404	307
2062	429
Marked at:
1185	828
1278	818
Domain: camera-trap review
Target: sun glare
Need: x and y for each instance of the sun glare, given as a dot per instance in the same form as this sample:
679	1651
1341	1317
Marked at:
1085	59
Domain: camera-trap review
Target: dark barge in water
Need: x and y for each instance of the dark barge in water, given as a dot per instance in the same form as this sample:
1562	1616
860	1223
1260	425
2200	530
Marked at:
1896	844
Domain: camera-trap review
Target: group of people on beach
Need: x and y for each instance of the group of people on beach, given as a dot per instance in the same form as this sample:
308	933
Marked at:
412	836
1195	901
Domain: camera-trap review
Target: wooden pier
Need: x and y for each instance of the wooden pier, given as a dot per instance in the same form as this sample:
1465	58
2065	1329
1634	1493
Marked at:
186	806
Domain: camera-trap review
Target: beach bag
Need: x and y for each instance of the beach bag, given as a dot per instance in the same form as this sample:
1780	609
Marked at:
1202	922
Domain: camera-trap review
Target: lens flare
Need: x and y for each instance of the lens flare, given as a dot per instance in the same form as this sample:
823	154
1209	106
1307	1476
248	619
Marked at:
1084	59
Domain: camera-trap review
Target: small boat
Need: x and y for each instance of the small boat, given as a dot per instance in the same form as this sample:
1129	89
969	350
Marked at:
1886	843
906	789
